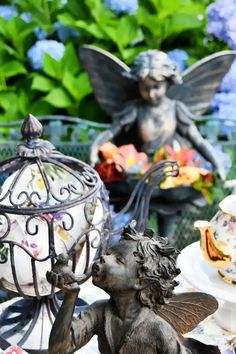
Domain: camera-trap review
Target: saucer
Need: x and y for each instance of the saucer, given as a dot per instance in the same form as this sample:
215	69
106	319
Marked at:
202	276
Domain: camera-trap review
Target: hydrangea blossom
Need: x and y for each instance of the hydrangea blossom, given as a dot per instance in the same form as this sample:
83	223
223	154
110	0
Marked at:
117	223
122	6
26	16
36	52
65	32
221	21
179	56
8	12
224	105
229	82
224	102
40	33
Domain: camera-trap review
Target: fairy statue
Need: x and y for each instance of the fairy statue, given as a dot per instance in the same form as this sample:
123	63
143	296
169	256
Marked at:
151	103
142	315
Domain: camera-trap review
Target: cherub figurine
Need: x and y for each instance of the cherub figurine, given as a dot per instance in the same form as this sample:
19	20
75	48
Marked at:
150	103
142	315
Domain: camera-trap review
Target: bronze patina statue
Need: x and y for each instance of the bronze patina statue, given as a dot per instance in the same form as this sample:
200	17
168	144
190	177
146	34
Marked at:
151	103
142	315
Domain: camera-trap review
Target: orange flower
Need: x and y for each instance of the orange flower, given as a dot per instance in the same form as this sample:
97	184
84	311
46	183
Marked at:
110	172
125	157
108	150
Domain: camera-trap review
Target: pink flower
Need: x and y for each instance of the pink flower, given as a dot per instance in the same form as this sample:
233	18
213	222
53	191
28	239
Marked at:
14	349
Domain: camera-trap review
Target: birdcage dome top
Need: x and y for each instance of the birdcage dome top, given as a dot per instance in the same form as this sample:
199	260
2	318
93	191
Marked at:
41	179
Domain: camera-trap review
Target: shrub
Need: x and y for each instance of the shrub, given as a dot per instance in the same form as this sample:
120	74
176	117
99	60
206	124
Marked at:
39	67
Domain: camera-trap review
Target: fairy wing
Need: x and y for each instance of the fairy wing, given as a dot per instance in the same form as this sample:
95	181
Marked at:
185	311
112	89
201	81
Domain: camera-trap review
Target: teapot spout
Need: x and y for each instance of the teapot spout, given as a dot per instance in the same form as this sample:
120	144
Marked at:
216	252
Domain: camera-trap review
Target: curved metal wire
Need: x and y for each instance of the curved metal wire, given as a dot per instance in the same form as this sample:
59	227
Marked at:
139	200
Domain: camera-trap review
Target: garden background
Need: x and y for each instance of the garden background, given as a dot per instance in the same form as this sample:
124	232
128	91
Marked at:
39	67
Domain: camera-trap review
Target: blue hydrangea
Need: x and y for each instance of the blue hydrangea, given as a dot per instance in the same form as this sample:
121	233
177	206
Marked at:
26	16
36	52
224	104
122	6
8	12
229	82
179	56
65	32
221	21
40	33
117	223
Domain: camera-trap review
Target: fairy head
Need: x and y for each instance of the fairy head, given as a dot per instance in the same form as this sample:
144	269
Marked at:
140	262
154	72
155	65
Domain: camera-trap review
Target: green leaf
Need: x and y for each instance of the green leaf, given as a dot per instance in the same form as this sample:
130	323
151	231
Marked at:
130	53
78	9
42	83
84	85
23	103
181	22
8	99
70	60
41	108
52	67
59	98
66	19
126	31
91	28
79	86
149	21
12	68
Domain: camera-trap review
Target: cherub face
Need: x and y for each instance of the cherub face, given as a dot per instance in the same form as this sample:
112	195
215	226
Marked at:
116	271
153	90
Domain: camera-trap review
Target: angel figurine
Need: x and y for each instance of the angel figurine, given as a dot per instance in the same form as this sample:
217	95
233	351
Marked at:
151	103
142	315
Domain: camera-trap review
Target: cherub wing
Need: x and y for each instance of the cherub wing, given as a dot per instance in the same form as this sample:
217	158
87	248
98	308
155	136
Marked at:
185	311
111	87
201	81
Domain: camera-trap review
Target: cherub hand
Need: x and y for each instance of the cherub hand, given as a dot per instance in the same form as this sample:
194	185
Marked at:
61	281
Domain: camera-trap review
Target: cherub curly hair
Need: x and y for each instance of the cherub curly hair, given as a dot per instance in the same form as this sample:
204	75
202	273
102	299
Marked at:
153	64
157	260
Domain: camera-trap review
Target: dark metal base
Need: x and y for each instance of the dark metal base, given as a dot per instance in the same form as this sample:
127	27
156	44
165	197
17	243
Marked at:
22	316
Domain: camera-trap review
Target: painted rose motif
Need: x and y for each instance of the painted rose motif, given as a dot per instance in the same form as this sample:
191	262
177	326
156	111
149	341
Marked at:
14	349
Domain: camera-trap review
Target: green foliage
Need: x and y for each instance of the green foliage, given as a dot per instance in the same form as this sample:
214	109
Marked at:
62	87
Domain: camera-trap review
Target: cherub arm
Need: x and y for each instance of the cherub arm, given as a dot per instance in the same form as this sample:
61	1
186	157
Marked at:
68	333
126	117
72	333
187	129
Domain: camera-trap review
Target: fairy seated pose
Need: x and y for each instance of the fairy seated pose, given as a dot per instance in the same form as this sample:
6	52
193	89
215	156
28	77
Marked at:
139	275
151	103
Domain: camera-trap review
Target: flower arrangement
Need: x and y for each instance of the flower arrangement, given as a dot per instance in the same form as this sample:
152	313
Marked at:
119	163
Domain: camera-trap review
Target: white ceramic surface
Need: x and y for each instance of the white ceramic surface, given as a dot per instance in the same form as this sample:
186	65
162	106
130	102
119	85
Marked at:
205	278
202	276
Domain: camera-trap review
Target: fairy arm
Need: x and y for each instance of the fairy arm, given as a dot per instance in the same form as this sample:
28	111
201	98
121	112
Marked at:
126	117
69	333
187	129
